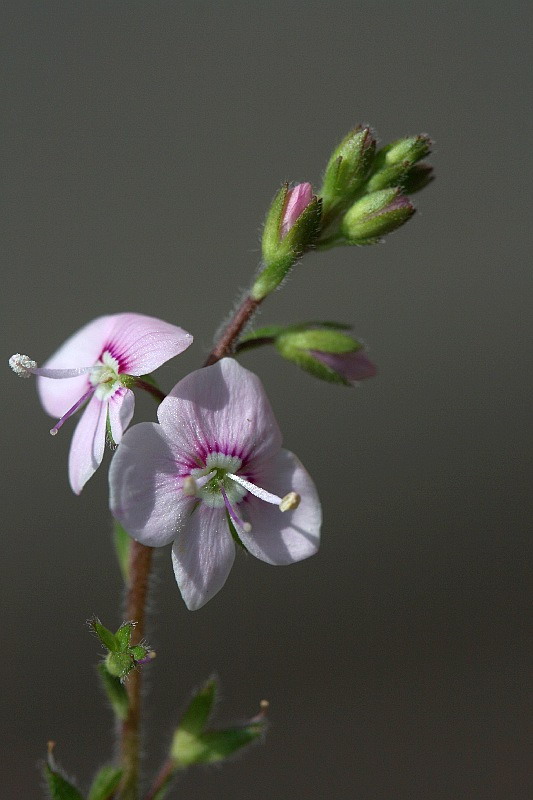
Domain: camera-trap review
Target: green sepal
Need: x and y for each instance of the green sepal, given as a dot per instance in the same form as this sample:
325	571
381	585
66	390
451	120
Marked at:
122	542
306	362
123	635
280	254
199	709
192	744
120	664
271	333
270	239
58	785
376	215
409	149
107	638
214	746
346	171
389	176
105	783
115	691
326	339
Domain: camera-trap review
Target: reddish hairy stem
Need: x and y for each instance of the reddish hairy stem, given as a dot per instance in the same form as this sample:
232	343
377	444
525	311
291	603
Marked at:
139	570
224	346
164	775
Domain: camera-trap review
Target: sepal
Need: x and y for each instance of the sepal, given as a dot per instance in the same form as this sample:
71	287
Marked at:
346	171
105	783
58	785
194	744
376	215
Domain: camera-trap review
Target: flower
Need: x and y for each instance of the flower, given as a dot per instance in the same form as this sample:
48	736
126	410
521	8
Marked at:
99	363
207	474
296	201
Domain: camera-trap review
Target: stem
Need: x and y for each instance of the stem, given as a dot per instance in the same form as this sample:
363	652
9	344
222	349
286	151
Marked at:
224	346
151	389
164	775
140	561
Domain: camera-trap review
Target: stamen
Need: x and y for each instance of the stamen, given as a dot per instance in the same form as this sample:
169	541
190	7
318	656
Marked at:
71	411
256	490
189	488
239	523
25	366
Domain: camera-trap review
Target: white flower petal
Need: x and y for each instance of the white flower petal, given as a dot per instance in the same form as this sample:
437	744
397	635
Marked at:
283	537
203	555
121	408
141	343
222	408
88	443
145	486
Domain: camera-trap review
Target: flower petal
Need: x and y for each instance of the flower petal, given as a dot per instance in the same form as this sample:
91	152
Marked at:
145	486
82	349
283	537
221	408
121	407
88	443
203	555
141	343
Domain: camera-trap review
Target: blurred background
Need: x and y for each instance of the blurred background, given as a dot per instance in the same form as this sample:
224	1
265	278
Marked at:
142	144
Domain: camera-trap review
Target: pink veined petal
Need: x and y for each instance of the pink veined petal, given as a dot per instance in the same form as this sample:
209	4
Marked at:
145	486
141	343
121	407
88	443
297	200
82	349
283	537
203	555
221	408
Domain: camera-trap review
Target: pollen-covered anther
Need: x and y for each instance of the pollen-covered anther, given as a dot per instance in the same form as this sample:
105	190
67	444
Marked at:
290	501
190	487
22	365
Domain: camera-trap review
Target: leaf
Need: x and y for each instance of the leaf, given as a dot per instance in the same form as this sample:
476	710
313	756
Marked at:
105	783
122	542
197	714
115	691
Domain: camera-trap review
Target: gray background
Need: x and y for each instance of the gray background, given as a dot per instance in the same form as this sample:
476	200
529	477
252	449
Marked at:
143	142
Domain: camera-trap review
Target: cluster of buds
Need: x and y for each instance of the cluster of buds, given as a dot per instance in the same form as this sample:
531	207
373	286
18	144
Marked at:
364	197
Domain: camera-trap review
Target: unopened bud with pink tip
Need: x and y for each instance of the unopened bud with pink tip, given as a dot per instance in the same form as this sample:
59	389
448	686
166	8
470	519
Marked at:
296	202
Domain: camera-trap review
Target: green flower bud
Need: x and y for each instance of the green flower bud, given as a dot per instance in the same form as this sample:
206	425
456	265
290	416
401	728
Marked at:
375	215
403	151
347	170
292	225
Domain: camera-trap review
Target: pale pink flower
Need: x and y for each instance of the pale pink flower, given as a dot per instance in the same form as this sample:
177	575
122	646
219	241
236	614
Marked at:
296	201
98	365
210	472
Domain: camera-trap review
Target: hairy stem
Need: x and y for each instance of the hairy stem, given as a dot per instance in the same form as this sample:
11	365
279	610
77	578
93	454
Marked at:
162	778
224	346
139	570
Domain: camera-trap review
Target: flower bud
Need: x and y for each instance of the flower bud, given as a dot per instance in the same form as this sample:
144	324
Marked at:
347	170
327	353
410	149
375	215
417	178
292	225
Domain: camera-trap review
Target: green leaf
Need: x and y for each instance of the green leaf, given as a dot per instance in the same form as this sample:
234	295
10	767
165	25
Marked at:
122	542
105	783
197	714
115	691
104	634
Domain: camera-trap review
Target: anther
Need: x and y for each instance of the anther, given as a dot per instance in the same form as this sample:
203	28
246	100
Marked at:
190	487
290	502
22	365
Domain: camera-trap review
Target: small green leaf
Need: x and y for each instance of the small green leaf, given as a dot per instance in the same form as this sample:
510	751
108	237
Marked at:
197	714
105	783
122	542
115	691
104	634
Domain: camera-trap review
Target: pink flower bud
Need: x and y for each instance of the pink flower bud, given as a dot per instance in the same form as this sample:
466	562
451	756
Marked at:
297	201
